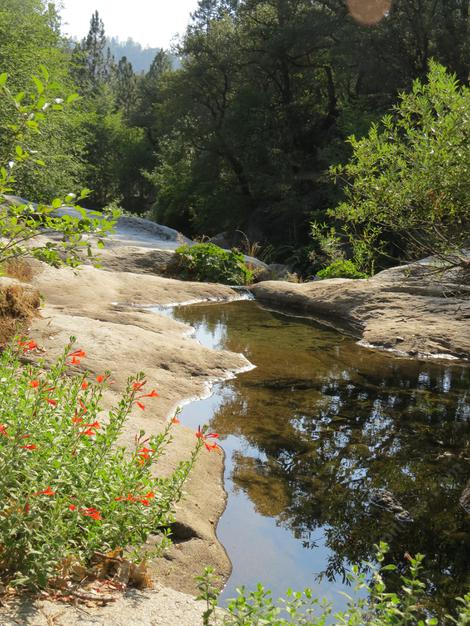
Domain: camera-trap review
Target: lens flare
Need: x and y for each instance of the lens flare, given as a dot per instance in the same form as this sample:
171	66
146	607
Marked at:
368	12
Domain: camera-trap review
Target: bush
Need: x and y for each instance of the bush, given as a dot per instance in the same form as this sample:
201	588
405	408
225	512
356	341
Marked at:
21	222
341	269
380	607
407	184
66	489
208	262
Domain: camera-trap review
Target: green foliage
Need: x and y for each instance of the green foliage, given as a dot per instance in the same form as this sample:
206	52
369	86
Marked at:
341	268
66	488
267	93
379	608
208	262
20	222
408	181
29	37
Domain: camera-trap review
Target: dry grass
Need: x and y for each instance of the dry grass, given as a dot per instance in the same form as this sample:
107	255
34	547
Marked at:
19	269
17	307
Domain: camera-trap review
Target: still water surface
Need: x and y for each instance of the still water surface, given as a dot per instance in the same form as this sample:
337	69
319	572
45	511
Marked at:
312	433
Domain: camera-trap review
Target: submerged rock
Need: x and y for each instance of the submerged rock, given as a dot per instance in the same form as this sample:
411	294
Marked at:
465	498
386	500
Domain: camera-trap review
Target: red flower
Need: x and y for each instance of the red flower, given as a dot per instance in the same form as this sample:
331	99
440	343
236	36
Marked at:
152	394
76	419
76	356
137	386
144	454
175	420
145	500
45	492
140	405
83	407
204	437
27	345
85	384
91	429
91	512
30	446
128	498
51	401
34	384
3	430
72	507
77	353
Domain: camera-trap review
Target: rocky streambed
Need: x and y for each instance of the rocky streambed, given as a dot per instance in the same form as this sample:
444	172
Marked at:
106	309
412	310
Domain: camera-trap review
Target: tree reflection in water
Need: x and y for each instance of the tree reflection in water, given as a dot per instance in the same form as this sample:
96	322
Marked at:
332	423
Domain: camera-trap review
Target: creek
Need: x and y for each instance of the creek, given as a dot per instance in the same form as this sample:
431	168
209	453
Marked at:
330	448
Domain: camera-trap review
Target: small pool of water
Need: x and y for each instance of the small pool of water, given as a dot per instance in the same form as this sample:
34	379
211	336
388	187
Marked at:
312	433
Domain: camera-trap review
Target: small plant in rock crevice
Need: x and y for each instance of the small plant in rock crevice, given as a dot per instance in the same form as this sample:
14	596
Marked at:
341	268
66	489
208	262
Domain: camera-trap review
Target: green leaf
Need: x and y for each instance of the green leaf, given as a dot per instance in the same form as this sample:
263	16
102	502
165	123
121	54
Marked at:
39	84
72	98
3	79
44	71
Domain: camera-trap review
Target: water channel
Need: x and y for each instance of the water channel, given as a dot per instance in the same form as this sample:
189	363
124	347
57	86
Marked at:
313	434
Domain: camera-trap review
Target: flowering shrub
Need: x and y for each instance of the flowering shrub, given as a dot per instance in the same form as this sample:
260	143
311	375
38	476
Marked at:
66	489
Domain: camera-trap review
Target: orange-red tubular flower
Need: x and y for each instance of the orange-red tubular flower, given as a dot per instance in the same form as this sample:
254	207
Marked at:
91	512
27	345
45	492
138	385
77	353
152	394
204	437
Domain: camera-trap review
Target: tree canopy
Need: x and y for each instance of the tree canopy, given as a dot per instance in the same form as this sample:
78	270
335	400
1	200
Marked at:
241	132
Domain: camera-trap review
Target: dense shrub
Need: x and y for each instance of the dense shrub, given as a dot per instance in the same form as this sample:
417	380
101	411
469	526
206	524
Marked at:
208	262
66	489
407	184
341	269
376	605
